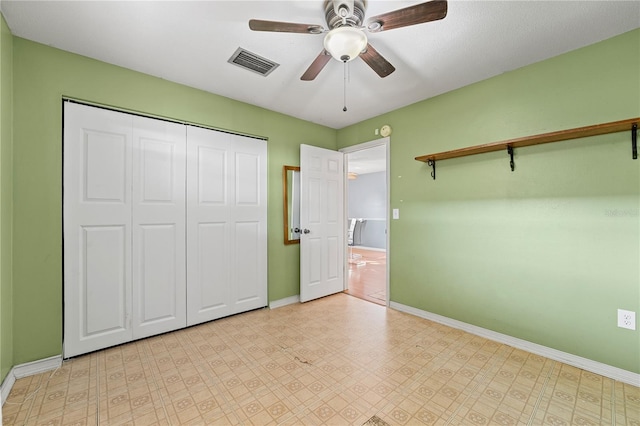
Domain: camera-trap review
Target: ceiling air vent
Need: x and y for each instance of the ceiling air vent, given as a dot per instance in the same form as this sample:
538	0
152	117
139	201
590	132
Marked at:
252	62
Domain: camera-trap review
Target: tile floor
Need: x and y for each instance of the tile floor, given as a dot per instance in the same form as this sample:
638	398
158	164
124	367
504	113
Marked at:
337	360
368	275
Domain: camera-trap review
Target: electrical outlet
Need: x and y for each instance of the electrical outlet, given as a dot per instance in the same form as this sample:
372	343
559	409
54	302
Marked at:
626	319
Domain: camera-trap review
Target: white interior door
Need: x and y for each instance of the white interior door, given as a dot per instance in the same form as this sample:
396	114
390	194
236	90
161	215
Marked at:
159	246
322	240
226	224
97	228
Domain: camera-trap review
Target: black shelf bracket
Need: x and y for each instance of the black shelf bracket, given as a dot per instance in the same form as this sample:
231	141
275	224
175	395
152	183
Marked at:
432	163
510	152
634	141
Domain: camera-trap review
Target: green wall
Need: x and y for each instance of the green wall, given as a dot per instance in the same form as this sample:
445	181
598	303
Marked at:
546	253
42	76
6	198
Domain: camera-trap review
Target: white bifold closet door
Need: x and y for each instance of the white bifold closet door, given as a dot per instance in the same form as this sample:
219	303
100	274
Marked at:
148	246
226	230
97	229
159	227
124	227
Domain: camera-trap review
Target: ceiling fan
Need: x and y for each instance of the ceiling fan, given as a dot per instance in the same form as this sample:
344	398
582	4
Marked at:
346	40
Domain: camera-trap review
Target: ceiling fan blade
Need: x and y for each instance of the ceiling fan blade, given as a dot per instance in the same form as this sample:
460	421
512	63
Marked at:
284	27
412	15
380	65
316	66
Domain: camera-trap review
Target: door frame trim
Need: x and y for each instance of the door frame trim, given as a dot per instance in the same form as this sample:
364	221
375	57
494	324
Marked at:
359	147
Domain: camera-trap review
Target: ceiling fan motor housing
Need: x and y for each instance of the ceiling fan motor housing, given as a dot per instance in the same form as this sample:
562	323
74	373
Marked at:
355	15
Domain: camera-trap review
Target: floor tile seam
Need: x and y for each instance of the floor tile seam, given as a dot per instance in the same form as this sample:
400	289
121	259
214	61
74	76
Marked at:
63	411
481	380
284	418
221	393
338	388
319	364
402	390
449	351
628	403
306	409
427	372
97	389
270	386
140	388
255	367
587	388
294	355
238	404
319	397
148	357
542	392
613	403
407	389
35	392
66	405
243	353
377	411
465	364
435	364
28	398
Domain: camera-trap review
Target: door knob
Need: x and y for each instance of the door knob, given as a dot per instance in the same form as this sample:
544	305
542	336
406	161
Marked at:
297	230
306	231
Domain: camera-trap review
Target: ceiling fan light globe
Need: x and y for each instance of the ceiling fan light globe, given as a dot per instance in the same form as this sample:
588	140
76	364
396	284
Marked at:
344	42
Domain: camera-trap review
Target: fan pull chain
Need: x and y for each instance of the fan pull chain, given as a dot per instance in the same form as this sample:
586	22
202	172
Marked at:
345	87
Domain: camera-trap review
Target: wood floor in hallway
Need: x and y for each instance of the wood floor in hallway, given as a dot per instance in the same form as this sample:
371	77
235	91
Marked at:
368	275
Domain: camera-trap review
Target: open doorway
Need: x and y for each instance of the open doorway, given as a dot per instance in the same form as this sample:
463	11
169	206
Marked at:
367	221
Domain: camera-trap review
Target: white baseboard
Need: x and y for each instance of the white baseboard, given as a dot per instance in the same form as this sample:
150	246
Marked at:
567	358
284	302
27	369
6	386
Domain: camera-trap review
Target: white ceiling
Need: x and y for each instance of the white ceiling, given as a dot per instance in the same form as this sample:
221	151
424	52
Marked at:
189	42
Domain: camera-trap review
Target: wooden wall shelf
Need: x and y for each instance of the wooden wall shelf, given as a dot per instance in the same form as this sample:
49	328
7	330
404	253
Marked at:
561	135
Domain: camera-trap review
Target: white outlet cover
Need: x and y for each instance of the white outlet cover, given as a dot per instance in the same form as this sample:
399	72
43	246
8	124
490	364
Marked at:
626	319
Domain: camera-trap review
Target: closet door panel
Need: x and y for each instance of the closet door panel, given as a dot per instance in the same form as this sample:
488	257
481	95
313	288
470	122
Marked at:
226	224
104	167
159	247
96	228
211	230
247	266
249	212
208	231
213	299
247	180
158	271
211	177
103	283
